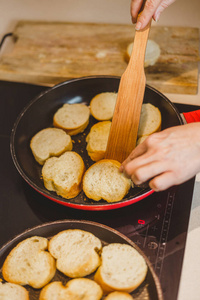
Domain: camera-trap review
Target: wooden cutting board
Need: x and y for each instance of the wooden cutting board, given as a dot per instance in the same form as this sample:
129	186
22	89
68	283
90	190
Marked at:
47	53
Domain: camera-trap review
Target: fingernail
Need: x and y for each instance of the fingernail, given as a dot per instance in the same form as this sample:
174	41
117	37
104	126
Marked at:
157	17
138	25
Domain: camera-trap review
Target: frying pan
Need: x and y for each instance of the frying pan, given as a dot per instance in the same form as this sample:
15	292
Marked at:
150	289
38	114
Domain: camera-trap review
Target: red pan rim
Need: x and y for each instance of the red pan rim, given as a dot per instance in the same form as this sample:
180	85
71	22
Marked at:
97	207
94	207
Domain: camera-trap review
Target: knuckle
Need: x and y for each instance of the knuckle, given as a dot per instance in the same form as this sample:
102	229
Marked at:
150	140
156	185
132	156
150	5
128	170
138	175
142	18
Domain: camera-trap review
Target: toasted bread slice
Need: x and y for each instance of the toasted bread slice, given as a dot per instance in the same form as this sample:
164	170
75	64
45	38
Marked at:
12	291
104	181
73	118
76	252
122	269
30	263
50	142
97	140
150	120
64	174
85	288
119	296
75	289
56	291
102	106
152	53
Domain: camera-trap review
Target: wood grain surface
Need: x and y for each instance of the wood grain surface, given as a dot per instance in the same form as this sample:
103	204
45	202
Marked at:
47	53
126	117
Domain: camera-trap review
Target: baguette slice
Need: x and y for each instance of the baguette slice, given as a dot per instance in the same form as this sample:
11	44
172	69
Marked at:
76	252
97	140
75	289
56	291
30	263
152	53
119	296
50	142
102	106
12	291
150	120
73	118
85	288
64	174
104	181
122	269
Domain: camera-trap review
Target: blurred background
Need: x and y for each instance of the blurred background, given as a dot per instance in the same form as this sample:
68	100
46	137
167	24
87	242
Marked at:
180	13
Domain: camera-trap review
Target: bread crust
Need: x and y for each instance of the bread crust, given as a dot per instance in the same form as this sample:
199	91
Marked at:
86	288
75	289
56	290
109	288
57	172
151	56
115	257
150	120
97	140
69	245
102	106
25	256
119	296
99	181
50	142
73	118
13	291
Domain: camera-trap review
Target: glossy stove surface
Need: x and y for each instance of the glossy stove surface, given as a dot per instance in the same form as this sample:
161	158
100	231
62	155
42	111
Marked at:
157	224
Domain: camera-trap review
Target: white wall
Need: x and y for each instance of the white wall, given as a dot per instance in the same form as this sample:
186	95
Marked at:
181	13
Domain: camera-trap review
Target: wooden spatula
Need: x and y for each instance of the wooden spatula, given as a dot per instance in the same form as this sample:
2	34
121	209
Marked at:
125	122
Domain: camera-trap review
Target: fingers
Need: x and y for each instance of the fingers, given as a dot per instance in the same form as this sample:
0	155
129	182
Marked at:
135	8
143	174
152	8
147	13
149	161
145	152
164	4
166	158
163	181
138	151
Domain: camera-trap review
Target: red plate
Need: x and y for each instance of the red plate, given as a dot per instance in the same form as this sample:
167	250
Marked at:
38	114
149	289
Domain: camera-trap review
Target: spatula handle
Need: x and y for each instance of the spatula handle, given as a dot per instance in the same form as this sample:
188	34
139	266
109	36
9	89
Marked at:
125	122
139	46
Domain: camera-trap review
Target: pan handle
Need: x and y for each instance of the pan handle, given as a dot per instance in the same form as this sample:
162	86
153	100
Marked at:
193	116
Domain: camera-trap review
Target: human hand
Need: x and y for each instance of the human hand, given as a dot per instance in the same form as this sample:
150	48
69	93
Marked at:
152	9
166	158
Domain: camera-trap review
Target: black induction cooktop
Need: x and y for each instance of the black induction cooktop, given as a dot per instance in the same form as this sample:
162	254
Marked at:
157	224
